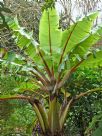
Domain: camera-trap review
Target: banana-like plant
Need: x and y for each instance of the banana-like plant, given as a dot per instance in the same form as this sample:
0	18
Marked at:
51	62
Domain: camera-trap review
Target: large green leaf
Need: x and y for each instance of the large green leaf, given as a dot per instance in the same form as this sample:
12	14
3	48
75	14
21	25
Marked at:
77	32
24	40
13	59
79	50
82	48
93	60
49	32
50	35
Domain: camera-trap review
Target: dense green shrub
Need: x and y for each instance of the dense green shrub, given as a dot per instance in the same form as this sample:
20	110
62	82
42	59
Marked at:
87	107
16	117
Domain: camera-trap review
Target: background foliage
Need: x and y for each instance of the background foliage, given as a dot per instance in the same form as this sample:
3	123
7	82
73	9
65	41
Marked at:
16	117
86	108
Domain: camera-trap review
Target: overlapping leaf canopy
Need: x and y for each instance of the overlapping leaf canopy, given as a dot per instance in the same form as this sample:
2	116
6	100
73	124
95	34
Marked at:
60	50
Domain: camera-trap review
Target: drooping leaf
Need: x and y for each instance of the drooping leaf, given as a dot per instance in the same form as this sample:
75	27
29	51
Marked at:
11	97
24	40
92	61
26	86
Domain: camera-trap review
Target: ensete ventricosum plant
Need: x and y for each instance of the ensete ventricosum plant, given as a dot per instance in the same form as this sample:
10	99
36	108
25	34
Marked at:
52	61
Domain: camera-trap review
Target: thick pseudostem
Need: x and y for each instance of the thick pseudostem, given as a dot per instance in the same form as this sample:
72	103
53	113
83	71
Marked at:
37	131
